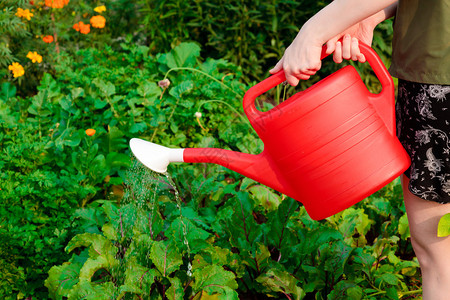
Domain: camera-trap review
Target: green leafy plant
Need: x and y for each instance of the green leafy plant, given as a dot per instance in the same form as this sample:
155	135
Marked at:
444	226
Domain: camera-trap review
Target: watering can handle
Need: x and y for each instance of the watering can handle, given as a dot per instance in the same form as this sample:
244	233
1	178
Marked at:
375	62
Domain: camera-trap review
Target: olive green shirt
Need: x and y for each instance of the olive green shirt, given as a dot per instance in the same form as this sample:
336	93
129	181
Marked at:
421	43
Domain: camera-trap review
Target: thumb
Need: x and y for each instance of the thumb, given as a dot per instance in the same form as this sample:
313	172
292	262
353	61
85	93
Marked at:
278	67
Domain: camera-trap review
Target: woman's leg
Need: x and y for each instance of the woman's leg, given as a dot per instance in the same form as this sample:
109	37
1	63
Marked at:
433	252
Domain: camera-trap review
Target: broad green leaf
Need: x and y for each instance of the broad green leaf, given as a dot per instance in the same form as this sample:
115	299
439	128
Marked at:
444	226
91	219
391	292
86	290
278	281
175	291
99	103
181	88
8	90
242	227
257	259
316	238
110	232
355	221
138	127
265	196
149	224
166	257
107	88
335	257
281	234
193	233
215	279
61	279
77	92
389	278
149	91
138	279
345	290
101	253
93	265
184	55
403	227
355	292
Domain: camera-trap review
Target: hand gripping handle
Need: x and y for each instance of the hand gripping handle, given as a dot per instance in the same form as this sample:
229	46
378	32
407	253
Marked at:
278	78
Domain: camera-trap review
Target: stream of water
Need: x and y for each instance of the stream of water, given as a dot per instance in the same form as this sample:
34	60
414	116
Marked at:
143	188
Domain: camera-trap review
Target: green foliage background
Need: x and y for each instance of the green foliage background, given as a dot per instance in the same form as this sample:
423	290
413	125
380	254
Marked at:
69	225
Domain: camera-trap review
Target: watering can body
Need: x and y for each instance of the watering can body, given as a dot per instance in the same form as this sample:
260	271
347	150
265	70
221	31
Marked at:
328	147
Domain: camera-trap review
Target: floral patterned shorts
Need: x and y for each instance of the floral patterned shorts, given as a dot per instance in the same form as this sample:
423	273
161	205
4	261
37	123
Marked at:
423	128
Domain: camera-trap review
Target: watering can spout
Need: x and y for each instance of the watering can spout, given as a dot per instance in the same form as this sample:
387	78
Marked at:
154	156
257	167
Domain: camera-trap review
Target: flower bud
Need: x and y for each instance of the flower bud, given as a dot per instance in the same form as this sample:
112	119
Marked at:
164	83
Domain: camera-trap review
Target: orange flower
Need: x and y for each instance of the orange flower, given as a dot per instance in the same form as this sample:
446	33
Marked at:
98	21
48	39
82	28
17	69
56	3
90	132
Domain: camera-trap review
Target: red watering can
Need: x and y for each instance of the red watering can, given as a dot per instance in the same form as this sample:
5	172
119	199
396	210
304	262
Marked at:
328	146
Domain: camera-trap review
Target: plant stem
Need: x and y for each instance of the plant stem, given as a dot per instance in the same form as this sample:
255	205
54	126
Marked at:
205	74
410	293
245	120
55	36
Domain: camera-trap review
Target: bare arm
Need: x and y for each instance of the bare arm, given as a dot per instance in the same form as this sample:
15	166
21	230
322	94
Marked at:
302	58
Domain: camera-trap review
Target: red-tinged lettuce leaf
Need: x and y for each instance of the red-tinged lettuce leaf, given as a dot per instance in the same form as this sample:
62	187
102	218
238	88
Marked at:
265	196
195	236
277	281
258	258
62	279
166	257
282	226
86	290
101	253
175	291
138	279
215	280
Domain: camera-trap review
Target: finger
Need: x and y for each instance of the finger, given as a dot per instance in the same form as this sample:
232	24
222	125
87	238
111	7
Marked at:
361	58
292	80
346	47
278	67
331	45
355	52
308	72
337	56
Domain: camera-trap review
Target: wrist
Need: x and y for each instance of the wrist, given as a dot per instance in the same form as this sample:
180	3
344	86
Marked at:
312	33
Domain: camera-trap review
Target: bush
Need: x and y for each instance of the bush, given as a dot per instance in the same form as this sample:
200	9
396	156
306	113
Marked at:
250	34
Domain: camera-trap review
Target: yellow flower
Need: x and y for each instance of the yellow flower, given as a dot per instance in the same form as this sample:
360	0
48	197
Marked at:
98	21
34	57
100	9
17	69
24	13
